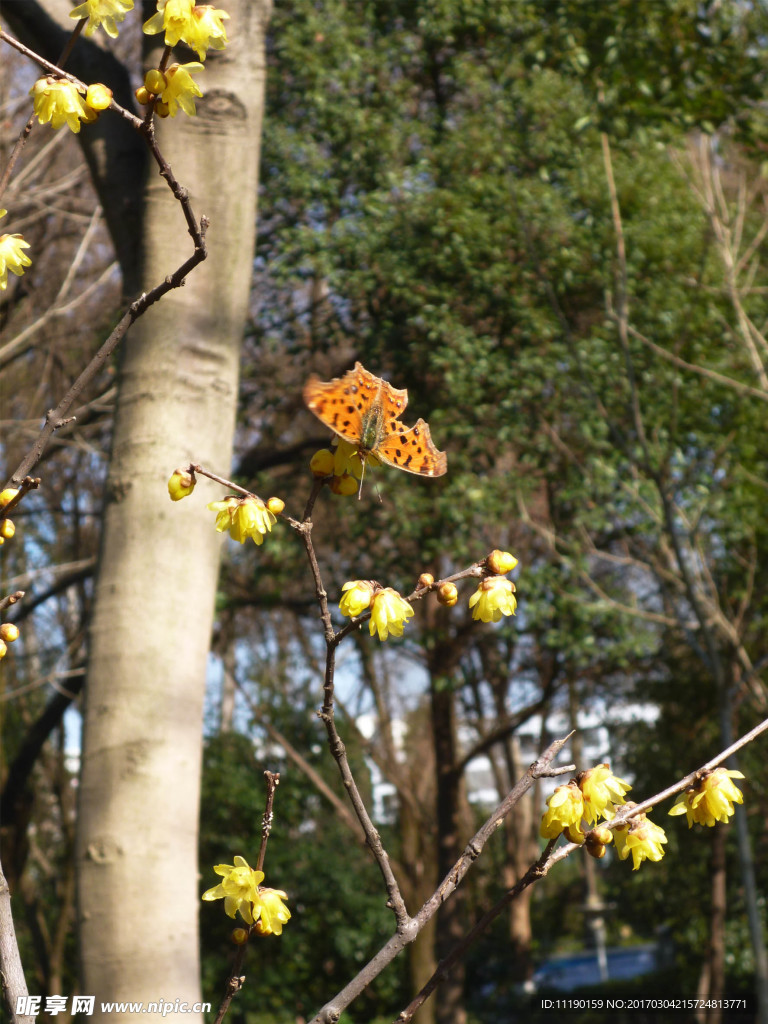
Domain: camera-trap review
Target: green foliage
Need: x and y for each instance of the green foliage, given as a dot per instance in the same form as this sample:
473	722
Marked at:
439	169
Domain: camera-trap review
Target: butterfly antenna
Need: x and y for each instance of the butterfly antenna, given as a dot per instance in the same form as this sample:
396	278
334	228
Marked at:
362	477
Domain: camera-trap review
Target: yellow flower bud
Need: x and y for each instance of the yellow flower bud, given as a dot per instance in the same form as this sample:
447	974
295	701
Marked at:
321	463
3	649
426	579
9	632
7	529
143	95
447	594
181	483
239	936
98	96
154	81
7	495
162	109
597	840
275	506
602	835
574	834
500	562
345	485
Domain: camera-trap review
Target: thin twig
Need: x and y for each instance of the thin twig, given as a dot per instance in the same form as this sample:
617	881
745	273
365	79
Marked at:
548	858
332	1010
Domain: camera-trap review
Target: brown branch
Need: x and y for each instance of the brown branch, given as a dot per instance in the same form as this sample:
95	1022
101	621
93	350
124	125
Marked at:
12	979
540	868
55	418
331	1012
273	781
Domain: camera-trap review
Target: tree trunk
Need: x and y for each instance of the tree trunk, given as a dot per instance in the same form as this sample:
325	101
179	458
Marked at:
712	981
450	918
154	599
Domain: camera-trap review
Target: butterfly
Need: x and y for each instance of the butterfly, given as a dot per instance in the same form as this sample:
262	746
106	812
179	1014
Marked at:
363	410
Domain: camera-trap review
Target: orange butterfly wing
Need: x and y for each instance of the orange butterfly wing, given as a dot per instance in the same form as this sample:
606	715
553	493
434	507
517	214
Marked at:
341	403
363	409
411	449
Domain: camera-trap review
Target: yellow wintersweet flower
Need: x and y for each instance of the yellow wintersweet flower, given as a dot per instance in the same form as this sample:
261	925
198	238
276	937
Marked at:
565	809
602	791
200	28
58	101
389	613
357	597
181	87
274	913
494	597
181	483
206	30
11	256
102	12
241	892
243	517
642	839
171	17
710	799
239	889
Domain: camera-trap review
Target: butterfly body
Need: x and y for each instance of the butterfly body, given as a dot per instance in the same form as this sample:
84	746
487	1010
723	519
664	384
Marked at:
363	409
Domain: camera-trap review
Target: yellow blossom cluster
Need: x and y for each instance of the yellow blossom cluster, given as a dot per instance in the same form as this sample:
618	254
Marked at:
495	595
597	792
243	516
246	517
389	611
343	465
172	90
242	892
58	101
710	799
200	26
592	795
